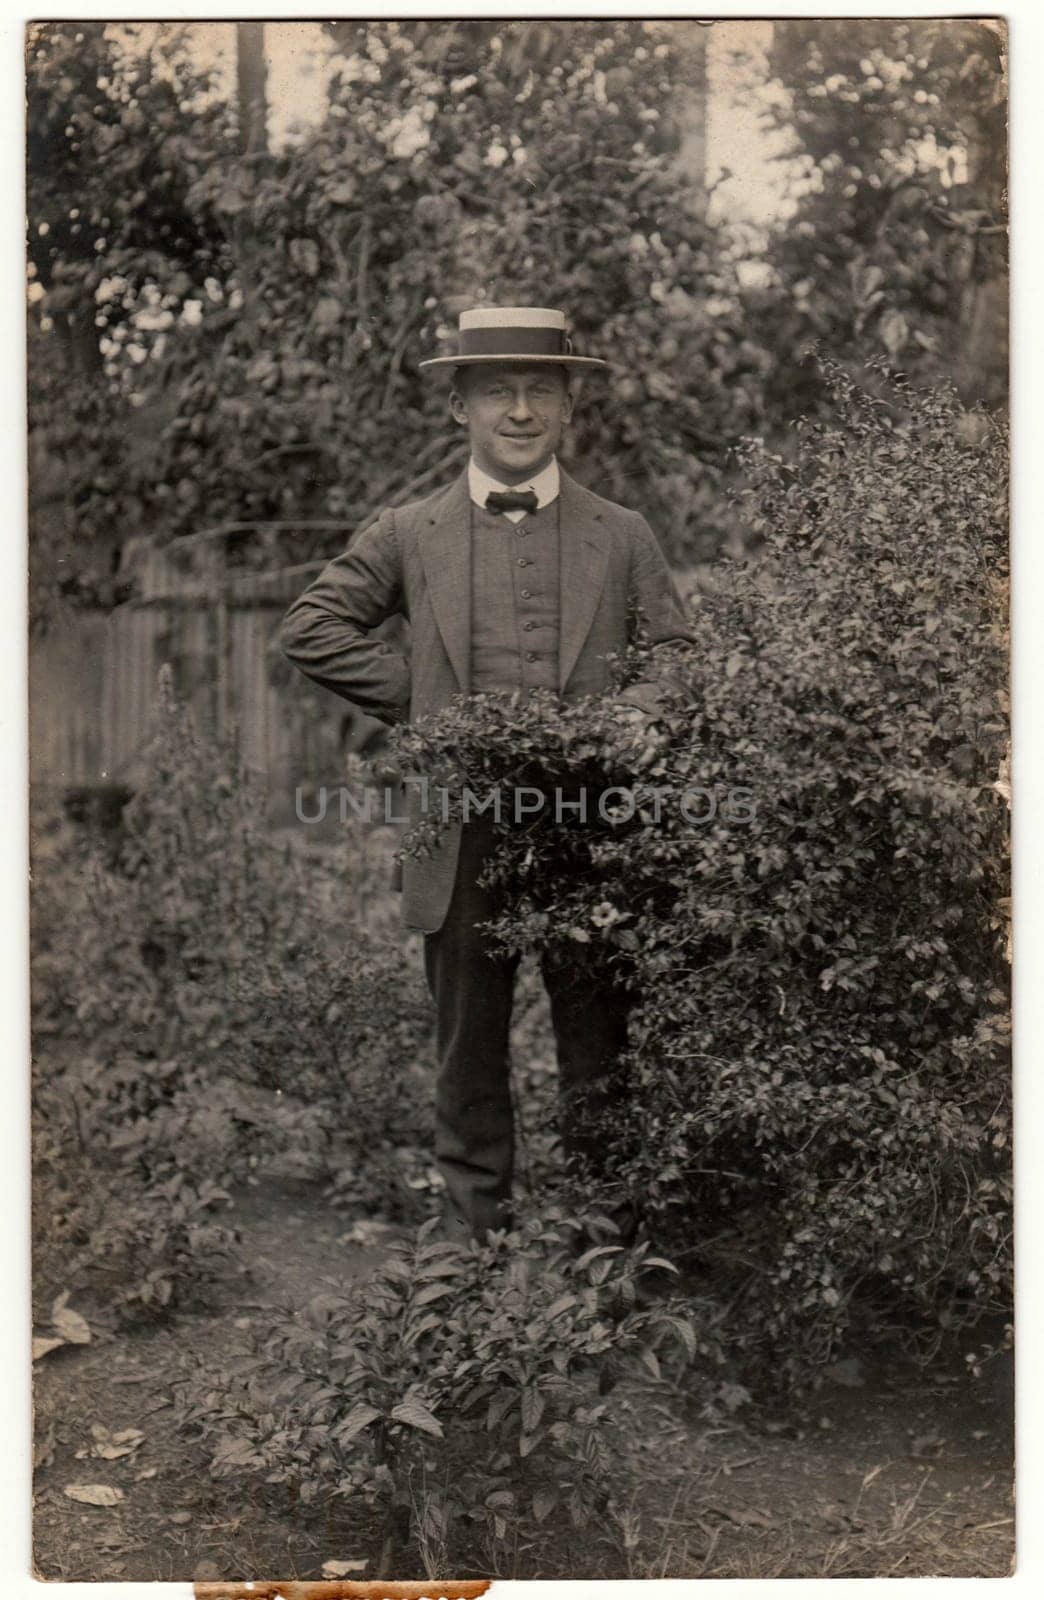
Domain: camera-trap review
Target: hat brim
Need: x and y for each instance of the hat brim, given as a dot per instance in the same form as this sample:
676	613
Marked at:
507	359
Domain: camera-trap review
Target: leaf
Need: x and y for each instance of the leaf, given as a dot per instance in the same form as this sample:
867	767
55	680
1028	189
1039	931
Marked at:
749	1517
341	1569
649	1360
120	1444
597	1250
358	1418
434	1291
416	1415
533	1404
72	1327
499	1406
564	1303
93	1494
43	1347
438	1269
544	1502
417	1330
734	664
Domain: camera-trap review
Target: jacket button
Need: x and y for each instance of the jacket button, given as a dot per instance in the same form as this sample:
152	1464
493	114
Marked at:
531	655
529	626
525	593
523	561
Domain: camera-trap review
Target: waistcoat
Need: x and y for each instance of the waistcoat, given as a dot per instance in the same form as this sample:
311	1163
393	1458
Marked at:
515	620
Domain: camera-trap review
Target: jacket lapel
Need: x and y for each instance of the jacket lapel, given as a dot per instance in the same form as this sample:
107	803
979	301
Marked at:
583	562
446	554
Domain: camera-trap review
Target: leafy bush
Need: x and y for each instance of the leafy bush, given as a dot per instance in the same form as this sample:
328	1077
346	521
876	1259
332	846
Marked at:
206	1006
819	1090
460	1397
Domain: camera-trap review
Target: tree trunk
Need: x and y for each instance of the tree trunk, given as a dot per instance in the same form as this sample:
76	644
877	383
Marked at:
253	148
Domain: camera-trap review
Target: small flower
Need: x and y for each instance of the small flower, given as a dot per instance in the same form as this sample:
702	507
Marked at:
604	915
496	155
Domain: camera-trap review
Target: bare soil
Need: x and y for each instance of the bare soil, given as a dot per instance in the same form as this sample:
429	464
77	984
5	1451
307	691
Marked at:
887	1471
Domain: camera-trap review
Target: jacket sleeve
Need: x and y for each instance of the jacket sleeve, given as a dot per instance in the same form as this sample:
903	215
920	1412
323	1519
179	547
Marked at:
659	617
328	631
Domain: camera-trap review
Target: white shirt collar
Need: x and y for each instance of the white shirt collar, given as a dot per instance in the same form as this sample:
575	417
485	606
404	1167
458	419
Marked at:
545	486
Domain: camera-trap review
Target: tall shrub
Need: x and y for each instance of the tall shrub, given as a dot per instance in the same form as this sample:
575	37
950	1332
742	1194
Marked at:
819	1101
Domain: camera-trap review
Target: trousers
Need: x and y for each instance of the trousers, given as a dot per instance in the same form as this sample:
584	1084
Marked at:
472	988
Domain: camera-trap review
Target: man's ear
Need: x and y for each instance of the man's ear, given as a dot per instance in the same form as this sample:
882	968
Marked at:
458	407
568	401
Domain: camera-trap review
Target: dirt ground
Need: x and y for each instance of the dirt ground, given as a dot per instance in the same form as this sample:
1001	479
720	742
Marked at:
887	1471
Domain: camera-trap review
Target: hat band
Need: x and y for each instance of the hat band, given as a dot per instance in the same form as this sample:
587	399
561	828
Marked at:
509	342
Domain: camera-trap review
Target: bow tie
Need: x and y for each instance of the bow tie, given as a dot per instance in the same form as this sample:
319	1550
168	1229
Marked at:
511	500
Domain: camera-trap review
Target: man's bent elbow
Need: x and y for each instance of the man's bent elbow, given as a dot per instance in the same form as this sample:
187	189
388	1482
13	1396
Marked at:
293	633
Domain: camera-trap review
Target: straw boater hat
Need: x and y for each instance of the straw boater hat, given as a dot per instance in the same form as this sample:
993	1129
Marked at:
513	333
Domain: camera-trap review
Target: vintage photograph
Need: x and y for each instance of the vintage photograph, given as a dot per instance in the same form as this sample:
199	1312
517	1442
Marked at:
520	788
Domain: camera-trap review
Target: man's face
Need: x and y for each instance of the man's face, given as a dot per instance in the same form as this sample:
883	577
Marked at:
515	414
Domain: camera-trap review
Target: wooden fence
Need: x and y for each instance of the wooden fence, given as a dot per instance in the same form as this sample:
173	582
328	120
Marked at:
94	678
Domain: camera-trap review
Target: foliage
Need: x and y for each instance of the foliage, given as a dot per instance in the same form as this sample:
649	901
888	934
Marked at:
258	358
819	1085
118	258
461	1397
897	131
214	1014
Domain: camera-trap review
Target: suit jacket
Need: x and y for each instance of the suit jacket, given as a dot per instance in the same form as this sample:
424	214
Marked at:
415	560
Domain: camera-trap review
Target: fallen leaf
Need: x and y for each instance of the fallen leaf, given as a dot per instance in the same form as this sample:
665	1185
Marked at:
121	1444
146	1472
112	1446
72	1327
93	1494
43	1347
341	1569
745	1517
180	1517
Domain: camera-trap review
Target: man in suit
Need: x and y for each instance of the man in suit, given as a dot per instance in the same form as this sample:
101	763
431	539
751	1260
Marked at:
512	577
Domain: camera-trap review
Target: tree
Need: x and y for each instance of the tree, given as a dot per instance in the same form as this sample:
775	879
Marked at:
457	162
897	243
118	131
